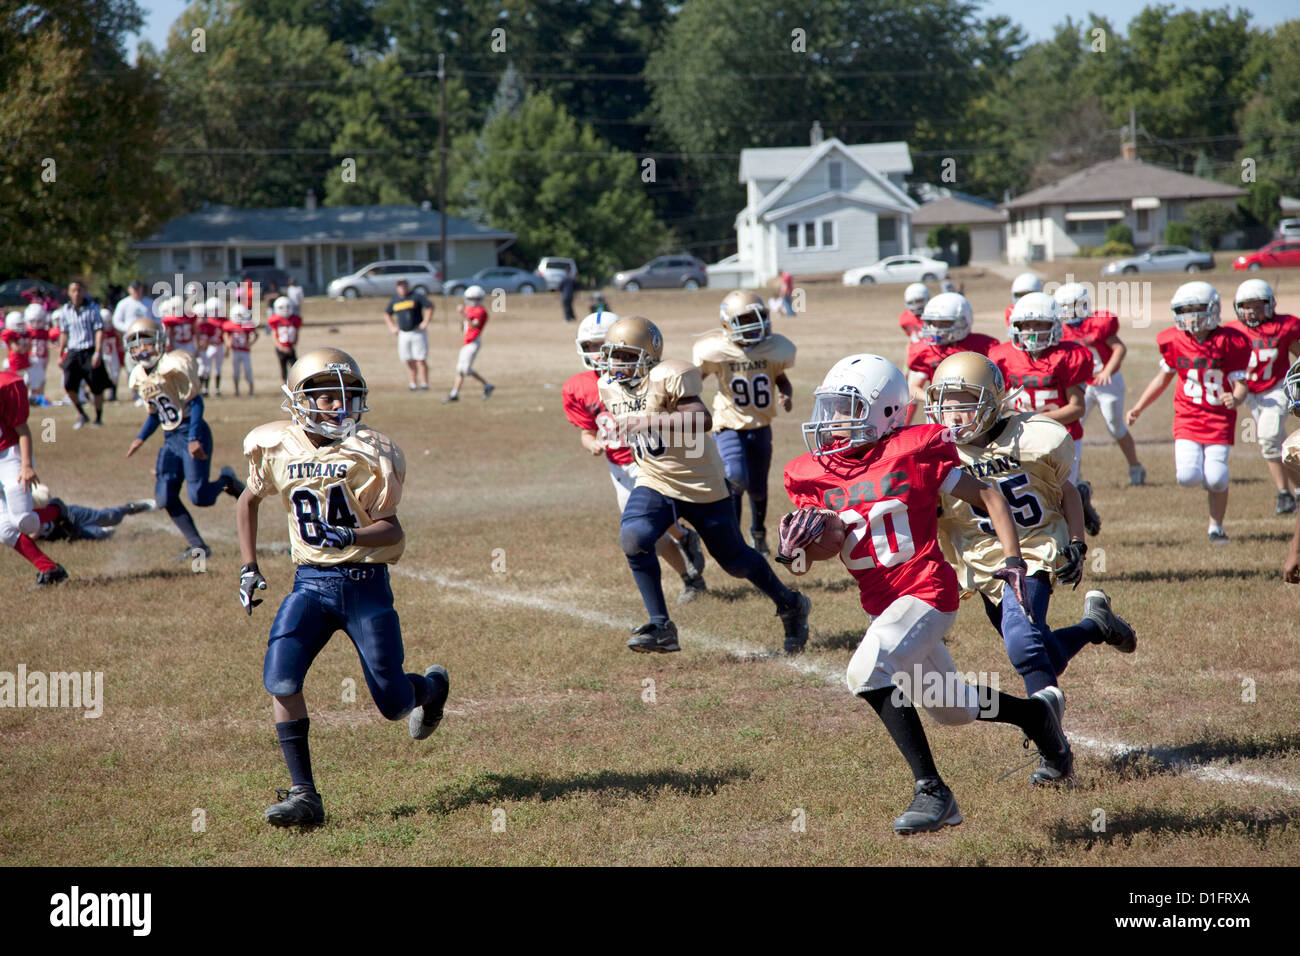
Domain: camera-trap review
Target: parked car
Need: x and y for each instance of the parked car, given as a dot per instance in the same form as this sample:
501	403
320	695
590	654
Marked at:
496	277
1280	253
380	278
552	271
1162	259
1288	229
898	269
665	272
11	292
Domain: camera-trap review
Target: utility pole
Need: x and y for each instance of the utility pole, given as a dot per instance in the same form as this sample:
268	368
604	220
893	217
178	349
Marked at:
442	167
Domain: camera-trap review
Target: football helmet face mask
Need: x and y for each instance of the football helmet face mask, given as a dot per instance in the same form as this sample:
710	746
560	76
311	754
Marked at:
947	318
745	318
145	342
1196	307
282	307
591	337
1291	385
862	399
330	378
968	383
1254	290
1024	284
633	346
36	316
915	296
1074	302
1038	308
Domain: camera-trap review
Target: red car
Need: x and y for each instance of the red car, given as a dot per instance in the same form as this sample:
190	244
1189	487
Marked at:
1279	253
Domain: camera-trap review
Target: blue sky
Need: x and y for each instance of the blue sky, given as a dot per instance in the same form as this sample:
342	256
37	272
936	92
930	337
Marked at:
1037	19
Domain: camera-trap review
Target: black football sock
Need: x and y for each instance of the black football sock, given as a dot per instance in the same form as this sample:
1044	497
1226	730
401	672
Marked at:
99	413
1026	713
423	688
297	755
76	403
904	725
184	522
758	514
738	502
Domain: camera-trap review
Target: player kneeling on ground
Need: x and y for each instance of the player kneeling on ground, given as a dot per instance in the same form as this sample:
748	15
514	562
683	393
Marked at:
340	483
883	481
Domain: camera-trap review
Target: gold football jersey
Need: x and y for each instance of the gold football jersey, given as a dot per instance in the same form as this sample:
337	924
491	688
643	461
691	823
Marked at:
685	468
352	483
747	395
168	388
1291	449
1029	462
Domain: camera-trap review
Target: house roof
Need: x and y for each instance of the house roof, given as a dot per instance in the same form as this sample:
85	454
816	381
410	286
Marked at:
950	209
1121	180
224	225
779	162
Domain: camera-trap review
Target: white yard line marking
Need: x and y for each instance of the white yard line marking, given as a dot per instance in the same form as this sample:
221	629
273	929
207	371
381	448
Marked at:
831	676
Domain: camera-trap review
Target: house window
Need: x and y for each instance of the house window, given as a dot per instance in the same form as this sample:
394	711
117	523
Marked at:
809	235
364	255
810	232
792	235
1144	220
1087	228
886	229
180	259
211	256
835	175
828	233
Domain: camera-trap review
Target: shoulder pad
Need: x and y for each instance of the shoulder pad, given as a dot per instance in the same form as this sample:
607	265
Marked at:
675	379
178	361
713	347
782	349
270	435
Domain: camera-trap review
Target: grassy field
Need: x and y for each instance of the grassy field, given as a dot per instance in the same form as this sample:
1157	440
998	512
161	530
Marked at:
560	746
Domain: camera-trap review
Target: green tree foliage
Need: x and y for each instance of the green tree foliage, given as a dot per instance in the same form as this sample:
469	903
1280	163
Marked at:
1178	234
1262	205
1211	221
352	23
557	185
79	130
1119	232
1270	123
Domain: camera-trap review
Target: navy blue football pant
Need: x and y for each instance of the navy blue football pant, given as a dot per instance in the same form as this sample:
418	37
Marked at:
356	599
177	465
1038	653
747	459
649	514
95	523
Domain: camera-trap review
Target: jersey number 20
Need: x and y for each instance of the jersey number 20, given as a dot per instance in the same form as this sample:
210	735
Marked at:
890	531
307	508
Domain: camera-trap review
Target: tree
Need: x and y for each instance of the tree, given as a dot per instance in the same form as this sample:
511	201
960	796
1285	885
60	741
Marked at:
1211	221
1270	123
351	23
561	189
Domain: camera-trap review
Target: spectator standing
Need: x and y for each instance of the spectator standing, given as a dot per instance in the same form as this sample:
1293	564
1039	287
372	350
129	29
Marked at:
294	292
408	316
133	307
81	337
567	286
787	292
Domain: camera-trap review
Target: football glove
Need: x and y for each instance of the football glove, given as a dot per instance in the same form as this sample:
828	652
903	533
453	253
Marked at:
1013	574
798	530
250	580
1072	573
337	536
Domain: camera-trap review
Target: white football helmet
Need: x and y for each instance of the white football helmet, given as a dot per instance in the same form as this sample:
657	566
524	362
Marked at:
1024	284
1074	302
240	313
170	306
947	318
214	308
1196	307
36	316
106	316
14	322
862	399
283	307
1253	290
1035	307
915	296
1291	385
474	293
591	336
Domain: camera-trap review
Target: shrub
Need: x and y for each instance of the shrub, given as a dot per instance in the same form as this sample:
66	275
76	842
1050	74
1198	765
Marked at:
1119	232
1178	234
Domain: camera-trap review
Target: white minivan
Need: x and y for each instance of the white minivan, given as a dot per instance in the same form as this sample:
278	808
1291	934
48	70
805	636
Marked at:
552	271
380	279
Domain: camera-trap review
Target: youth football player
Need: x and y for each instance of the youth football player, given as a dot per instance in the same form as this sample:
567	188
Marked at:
240	333
38	327
884	481
945	330
750	362
284	324
915	296
475	318
1021	286
340	483
1291	459
656	404
1211	364
18	519
169	384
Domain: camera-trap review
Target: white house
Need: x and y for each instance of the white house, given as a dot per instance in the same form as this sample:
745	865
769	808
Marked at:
820	208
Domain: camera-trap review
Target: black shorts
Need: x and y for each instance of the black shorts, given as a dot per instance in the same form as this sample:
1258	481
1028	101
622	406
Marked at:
77	368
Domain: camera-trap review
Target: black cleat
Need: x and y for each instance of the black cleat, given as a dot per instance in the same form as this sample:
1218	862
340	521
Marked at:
1091	520
141	506
692	588
299	807
655	639
759	538
1057	764
933	807
1218	536
191	552
53	576
1115	631
795	620
692	551
234	487
425	720
1285	503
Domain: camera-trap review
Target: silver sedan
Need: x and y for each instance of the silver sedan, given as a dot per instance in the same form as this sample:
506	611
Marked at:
1162	259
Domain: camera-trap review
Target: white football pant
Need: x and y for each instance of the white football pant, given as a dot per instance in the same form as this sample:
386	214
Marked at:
17	514
1201	466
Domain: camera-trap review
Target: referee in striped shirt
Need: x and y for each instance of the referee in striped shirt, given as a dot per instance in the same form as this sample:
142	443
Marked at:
81	334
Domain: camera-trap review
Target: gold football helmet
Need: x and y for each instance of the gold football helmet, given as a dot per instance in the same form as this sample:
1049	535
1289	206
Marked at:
145	342
632	334
326	373
745	317
966	372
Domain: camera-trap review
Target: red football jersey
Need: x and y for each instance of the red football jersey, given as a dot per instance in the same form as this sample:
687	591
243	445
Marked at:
1007	317
1044	380
1092	334
888	498
1205	370
18	344
1270	350
13	408
475	318
238	335
41	339
923	357
180	329
910	323
583	409
285	330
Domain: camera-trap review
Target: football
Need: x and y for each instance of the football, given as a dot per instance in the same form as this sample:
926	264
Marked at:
827	545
